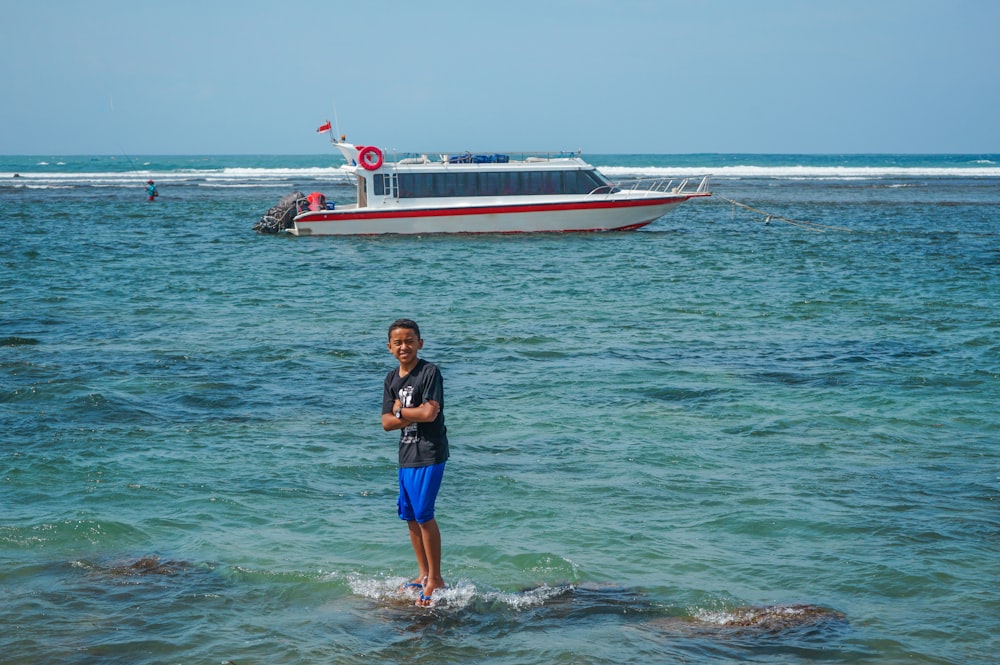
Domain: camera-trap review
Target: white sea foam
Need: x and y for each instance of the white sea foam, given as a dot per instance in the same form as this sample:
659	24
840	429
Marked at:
800	172
250	176
227	177
460	594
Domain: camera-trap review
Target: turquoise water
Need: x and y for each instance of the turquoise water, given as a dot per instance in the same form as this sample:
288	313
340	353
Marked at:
649	430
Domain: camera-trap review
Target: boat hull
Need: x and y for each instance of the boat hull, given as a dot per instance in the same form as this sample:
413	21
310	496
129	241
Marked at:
580	216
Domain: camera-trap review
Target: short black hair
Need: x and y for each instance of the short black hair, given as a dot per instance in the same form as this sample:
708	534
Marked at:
405	323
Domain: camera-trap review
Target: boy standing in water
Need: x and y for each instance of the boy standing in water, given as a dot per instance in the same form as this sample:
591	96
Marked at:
413	401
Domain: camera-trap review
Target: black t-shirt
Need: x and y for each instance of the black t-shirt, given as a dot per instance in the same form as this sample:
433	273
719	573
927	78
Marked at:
420	444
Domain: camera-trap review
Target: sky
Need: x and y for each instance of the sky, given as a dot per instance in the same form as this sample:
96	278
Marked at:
619	76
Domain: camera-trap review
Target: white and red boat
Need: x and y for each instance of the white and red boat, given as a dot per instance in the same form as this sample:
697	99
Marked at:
486	193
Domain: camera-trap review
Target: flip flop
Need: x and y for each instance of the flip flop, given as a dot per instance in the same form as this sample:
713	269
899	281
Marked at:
406	586
429	600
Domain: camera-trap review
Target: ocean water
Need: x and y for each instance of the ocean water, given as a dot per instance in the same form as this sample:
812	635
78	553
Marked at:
651	431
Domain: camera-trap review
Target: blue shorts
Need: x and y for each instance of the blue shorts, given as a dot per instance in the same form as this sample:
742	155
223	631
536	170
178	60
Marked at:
418	490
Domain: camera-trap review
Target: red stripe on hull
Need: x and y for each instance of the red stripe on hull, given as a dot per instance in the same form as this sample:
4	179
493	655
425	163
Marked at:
628	227
406	213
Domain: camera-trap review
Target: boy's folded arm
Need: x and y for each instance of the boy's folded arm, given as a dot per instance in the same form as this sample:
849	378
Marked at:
391	422
425	413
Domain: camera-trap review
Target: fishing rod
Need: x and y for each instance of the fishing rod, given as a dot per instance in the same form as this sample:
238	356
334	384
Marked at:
135	167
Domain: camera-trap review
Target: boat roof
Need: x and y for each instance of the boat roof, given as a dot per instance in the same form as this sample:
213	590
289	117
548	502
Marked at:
461	160
449	162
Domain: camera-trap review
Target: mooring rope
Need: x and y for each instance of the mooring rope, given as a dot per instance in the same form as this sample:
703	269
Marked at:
768	217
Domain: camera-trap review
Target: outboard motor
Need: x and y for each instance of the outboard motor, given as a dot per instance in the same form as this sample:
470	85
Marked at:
280	216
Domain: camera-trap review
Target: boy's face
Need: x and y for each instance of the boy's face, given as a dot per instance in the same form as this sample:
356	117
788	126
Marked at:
404	344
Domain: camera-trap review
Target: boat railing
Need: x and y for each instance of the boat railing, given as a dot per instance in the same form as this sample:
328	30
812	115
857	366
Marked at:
652	186
467	157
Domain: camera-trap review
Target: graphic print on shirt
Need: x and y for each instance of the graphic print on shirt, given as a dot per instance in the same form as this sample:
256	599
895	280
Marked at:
409	434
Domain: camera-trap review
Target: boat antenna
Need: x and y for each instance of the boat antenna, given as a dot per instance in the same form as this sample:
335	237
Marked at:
336	121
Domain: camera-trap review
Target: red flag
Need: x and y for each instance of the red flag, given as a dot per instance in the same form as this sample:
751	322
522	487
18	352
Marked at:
325	127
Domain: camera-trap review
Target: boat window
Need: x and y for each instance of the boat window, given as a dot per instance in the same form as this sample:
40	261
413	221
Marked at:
494	183
384	184
552	182
489	184
442	184
507	183
531	183
596	180
467	184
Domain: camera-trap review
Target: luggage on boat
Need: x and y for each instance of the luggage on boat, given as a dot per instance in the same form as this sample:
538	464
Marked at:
280	216
317	201
469	158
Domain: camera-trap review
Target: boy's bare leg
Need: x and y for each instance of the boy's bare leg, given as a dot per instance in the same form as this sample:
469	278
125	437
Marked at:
419	550
430	538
